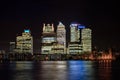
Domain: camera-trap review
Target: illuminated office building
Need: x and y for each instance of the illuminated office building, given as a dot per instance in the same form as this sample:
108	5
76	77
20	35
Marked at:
80	39
55	42
74	33
74	46
87	40
24	43
48	39
61	38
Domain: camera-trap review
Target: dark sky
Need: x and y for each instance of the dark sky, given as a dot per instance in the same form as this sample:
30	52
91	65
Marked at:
100	15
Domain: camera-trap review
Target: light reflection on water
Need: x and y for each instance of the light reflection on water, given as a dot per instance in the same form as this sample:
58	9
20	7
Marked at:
80	70
52	70
105	70
56	70
22	70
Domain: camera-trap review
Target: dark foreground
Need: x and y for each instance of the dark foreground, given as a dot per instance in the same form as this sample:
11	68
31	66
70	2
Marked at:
60	70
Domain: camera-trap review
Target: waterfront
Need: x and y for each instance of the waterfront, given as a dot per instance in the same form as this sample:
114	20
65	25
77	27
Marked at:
60	70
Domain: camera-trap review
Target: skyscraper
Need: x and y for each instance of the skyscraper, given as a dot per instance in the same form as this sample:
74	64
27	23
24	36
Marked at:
87	39
74	46
55	42
74	33
24	43
48	39
61	36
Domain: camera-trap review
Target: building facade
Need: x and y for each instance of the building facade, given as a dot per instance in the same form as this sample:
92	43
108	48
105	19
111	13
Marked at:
53	42
24	43
80	39
87	40
61	38
48	39
74	33
75	46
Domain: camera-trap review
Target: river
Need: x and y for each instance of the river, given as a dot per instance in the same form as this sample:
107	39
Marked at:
60	70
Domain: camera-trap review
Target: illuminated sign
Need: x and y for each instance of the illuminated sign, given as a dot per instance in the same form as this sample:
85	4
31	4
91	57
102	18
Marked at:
77	25
27	31
74	24
81	26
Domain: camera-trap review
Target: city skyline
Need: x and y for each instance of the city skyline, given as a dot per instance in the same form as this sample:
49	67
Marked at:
100	16
54	41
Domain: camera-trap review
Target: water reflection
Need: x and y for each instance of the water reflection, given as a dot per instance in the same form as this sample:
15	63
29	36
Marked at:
104	70
21	65
22	70
52	70
57	70
80	70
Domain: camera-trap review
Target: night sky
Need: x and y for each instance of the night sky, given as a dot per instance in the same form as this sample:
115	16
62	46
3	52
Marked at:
102	16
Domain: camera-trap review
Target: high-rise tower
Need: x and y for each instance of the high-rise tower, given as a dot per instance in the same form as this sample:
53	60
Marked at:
74	33
48	38
74	46
87	39
61	36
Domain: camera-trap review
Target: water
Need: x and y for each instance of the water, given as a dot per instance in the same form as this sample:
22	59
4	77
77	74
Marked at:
60	70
